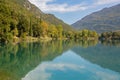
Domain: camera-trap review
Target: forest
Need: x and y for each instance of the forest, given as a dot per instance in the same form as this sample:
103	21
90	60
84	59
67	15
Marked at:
115	35
17	24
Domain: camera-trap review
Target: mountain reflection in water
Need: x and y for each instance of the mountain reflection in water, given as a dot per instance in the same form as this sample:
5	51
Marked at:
19	59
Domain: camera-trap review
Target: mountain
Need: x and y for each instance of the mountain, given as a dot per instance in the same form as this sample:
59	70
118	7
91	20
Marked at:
107	19
102	55
19	19
50	18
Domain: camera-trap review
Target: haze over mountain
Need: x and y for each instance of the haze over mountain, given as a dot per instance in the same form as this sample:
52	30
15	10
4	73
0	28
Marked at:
107	19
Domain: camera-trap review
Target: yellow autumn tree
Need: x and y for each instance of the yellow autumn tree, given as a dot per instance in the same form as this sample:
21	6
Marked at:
44	28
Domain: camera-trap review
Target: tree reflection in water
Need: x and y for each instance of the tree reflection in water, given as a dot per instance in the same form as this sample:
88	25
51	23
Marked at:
16	60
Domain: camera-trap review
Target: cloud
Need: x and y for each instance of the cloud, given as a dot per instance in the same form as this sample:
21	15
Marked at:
107	76
55	7
40	73
50	6
46	70
103	2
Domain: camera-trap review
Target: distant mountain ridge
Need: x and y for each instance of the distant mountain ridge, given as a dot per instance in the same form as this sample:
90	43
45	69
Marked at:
107	19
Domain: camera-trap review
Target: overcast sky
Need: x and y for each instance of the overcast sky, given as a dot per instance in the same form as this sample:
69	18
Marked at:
72	10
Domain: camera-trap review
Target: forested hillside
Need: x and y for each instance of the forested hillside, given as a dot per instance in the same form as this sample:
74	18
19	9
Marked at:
20	20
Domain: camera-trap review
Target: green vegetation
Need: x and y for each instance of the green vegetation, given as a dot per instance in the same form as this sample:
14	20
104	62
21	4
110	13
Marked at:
16	60
82	35
17	23
111	43
110	35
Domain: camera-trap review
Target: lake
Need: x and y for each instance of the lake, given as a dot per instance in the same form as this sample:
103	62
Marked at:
60	60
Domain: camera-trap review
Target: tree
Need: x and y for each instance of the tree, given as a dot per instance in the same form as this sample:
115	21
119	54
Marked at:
85	34
9	37
15	32
70	35
60	31
44	28
95	34
23	25
53	32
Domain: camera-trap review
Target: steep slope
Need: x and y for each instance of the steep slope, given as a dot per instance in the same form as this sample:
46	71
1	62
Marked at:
107	19
19	19
39	14
28	9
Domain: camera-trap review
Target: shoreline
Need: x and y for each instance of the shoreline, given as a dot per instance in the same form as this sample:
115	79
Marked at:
44	39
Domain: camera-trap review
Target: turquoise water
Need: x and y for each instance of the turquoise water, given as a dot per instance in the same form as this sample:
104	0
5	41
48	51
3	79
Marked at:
61	60
70	66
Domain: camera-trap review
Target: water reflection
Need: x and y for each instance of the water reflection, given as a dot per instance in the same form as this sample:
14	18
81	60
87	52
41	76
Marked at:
111	43
87	43
62	68
16	60
106	54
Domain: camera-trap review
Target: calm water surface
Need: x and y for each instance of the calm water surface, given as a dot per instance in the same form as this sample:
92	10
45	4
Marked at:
60	60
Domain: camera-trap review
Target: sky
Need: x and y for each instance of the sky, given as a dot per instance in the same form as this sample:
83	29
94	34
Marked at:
71	11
